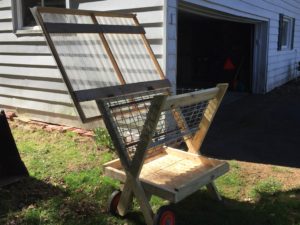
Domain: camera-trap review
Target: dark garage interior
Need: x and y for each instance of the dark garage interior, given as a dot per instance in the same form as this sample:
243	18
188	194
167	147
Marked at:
212	51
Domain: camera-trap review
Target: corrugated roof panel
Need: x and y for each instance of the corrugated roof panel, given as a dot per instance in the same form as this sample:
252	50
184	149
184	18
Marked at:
66	18
85	60
95	50
132	57
115	20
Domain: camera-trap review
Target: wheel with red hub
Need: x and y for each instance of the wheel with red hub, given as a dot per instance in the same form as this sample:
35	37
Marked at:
113	201
165	216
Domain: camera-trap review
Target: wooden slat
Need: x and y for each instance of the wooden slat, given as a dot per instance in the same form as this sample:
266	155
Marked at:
98	93
191	98
109	53
200	180
92	28
147	134
151	53
207	118
114	134
149	186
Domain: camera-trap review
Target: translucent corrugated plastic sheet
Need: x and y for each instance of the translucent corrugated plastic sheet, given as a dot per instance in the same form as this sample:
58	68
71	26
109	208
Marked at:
115	20
85	62
66	18
132	57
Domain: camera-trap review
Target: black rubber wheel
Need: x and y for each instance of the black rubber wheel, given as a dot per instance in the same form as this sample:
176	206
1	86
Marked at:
165	216
113	202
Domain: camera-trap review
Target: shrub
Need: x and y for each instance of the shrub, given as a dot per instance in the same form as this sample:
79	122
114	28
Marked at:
102	138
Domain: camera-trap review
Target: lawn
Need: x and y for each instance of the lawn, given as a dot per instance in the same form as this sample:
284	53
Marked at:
66	186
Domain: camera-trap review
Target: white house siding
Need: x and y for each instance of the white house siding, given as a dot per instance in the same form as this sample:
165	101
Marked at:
281	64
30	82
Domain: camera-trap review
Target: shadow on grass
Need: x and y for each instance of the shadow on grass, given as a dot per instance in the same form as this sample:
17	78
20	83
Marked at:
32	201
25	192
282	208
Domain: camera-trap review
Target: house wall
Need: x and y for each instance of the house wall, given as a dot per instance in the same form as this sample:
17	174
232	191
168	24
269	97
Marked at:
30	82
281	64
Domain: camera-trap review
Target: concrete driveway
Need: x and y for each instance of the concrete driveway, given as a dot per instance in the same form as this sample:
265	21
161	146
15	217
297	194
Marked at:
258	128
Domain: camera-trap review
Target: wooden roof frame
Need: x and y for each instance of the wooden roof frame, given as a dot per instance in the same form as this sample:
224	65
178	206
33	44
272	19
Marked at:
79	96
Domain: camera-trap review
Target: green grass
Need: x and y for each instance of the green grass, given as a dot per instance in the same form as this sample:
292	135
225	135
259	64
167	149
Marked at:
67	187
269	186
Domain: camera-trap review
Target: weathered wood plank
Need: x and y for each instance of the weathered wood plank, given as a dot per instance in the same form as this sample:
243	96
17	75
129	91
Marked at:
177	101
97	93
201	179
207	118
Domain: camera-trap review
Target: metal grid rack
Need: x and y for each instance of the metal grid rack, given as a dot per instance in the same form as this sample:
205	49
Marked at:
148	129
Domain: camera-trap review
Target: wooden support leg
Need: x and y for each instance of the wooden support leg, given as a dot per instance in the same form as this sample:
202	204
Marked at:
142	200
126	199
211	187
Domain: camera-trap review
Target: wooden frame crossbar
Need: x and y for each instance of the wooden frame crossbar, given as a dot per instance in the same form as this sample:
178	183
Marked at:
98	93
92	28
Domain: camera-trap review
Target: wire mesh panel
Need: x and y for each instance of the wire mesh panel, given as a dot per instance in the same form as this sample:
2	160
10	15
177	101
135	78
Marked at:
175	125
97	50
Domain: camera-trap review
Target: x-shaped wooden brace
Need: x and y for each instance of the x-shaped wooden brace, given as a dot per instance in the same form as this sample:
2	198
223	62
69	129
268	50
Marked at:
133	167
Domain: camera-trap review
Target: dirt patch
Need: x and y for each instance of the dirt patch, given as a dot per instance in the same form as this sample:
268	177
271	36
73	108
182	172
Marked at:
253	173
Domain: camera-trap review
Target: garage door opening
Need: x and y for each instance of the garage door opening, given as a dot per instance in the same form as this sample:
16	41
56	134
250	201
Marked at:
212	51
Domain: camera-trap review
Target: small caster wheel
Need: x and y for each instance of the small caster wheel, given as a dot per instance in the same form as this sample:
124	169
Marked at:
113	201
164	216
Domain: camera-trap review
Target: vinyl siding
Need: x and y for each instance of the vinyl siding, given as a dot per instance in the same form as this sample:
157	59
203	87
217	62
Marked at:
31	83
29	79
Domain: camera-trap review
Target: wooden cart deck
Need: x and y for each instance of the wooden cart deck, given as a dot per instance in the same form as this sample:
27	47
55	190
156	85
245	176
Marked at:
173	174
